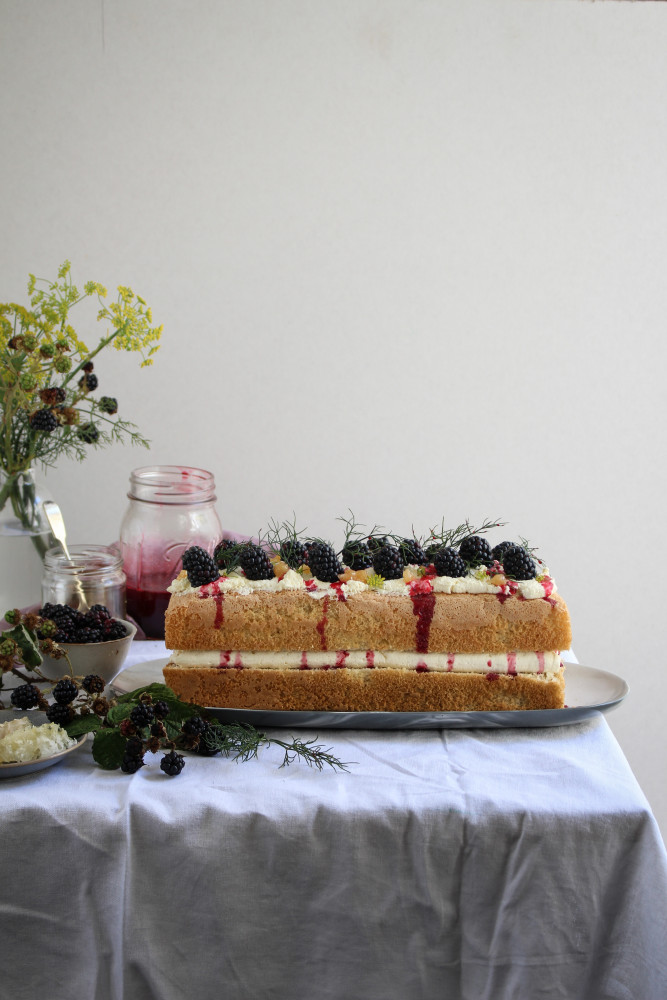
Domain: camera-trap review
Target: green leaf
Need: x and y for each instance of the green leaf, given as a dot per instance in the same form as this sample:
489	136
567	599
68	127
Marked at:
83	724
30	653
117	713
158	692
108	748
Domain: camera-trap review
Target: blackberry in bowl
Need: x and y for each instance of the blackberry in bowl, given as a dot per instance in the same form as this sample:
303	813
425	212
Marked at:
95	642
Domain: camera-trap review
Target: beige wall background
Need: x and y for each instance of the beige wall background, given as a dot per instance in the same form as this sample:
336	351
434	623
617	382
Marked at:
410	260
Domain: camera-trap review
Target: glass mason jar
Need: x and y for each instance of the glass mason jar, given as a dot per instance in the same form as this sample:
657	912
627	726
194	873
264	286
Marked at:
171	508
99	568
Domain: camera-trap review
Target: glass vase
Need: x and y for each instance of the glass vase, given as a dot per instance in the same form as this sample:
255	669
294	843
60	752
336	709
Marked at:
25	537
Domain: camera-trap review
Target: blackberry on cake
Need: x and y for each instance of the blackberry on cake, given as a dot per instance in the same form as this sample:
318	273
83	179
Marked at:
293	552
519	564
255	563
323	562
357	555
412	552
475	551
388	562
498	551
199	566
448	562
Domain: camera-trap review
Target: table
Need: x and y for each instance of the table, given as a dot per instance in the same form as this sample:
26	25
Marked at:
480	864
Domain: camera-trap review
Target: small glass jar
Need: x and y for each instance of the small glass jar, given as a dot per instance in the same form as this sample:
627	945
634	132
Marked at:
99	569
171	508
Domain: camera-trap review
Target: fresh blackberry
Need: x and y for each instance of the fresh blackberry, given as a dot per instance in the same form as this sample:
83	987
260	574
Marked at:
142	715
194	726
130	765
44	420
65	691
255	563
376	542
172	763
134	747
475	551
88	382
25	696
108	404
88	433
100	611
161	709
498	551
226	555
199	566
412	552
114	630
323	562
388	562
357	555
204	748
448	562
518	563
293	552
93	684
60	714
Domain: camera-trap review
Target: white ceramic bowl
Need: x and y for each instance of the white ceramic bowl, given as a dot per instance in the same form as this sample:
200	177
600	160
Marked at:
102	658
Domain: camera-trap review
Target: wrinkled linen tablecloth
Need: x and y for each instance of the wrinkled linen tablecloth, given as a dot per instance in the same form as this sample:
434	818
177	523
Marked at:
479	864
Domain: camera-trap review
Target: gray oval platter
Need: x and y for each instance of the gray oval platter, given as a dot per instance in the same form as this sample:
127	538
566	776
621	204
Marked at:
588	691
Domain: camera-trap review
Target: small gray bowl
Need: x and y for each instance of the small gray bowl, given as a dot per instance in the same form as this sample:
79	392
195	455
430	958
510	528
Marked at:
102	658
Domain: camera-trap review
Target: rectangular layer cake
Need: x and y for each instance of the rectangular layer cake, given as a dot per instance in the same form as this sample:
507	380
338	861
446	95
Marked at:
420	644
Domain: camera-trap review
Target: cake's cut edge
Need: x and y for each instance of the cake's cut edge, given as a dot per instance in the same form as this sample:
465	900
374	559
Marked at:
363	690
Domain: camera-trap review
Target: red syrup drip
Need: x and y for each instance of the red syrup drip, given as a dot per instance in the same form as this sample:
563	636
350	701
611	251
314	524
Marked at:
511	664
450	662
540	662
148	607
370	658
322	623
225	657
492	677
304	662
341	657
310	585
423	606
502	597
338	587
551	600
421	667
237	662
547	586
213	590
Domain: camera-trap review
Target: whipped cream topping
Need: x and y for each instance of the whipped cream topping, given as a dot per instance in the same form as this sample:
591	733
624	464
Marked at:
547	663
475	582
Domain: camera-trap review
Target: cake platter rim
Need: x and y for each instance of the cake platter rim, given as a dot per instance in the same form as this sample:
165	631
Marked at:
518	719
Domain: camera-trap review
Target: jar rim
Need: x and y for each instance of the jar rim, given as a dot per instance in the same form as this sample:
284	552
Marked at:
172	484
87	560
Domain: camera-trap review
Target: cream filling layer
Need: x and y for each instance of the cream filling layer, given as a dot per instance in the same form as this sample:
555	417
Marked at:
473	583
548	663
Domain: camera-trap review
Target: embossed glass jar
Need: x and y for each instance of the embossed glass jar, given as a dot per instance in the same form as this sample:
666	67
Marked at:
171	508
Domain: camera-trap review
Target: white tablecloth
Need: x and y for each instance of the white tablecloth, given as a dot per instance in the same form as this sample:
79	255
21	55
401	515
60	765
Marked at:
486	865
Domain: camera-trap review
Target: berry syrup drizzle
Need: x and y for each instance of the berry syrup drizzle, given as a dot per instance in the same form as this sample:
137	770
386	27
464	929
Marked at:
338	587
423	606
213	590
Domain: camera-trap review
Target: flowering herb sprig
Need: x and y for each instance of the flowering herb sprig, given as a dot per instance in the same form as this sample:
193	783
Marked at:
47	381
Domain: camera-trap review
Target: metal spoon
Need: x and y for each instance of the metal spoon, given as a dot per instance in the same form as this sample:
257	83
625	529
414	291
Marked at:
56	521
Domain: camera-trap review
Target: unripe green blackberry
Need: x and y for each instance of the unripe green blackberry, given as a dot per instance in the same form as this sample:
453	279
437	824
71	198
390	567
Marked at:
7	646
47	350
62	364
27	381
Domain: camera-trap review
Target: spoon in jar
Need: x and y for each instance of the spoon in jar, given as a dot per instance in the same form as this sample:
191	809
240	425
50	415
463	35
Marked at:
56	521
